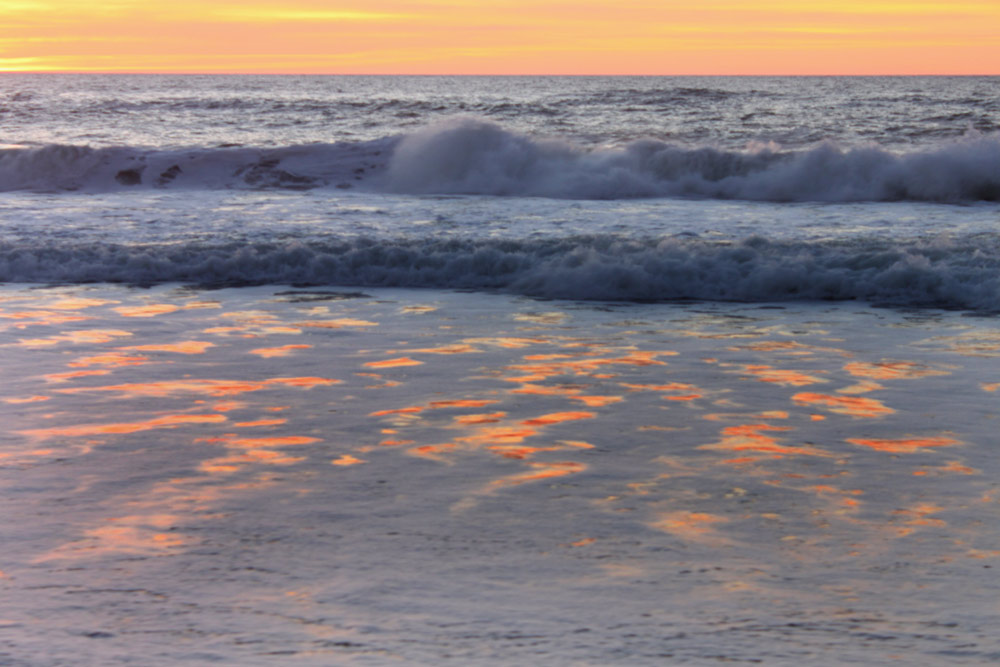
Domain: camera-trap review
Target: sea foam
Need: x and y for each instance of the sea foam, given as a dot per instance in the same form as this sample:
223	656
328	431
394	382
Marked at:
951	273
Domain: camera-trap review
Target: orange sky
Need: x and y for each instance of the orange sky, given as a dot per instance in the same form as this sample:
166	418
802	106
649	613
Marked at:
503	36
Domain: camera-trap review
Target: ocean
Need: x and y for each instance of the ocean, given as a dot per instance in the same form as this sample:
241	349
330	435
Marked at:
499	370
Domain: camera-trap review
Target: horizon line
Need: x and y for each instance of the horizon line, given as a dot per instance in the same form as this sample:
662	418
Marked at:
433	74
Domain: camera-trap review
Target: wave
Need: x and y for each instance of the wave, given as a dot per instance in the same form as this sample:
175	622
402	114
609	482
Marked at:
475	157
962	274
71	168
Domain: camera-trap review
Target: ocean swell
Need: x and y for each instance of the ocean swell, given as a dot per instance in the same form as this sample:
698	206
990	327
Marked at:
940	273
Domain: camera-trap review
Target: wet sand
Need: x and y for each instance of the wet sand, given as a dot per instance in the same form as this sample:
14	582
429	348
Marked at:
314	477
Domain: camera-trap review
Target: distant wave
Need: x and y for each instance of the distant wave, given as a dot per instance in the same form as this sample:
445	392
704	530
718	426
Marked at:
961	273
475	157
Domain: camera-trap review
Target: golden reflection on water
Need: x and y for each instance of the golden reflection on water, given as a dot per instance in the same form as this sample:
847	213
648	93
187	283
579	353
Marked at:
282	351
531	430
185	347
218	388
168	421
904	445
867	408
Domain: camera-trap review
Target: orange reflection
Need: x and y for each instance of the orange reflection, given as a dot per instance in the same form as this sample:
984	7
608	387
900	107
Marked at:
919	515
187	347
488	418
276	441
990	387
63	377
672	386
903	445
437	405
789	347
506	342
541	390
580	444
752	438
92	336
433	452
208	387
541	471
846	405
862	387
169	421
784	378
336	324
597	401
541	371
151	310
393	363
498	434
558	418
458	348
398	411
260	422
29	399
111	359
892	370
77	303
768	414
228	406
283	351
234	462
519	451
692	526
347	460
42	318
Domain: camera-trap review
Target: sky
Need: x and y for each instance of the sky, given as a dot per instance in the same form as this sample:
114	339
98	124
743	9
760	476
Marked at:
503	36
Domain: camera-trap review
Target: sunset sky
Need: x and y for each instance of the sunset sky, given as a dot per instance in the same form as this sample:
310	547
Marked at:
503	36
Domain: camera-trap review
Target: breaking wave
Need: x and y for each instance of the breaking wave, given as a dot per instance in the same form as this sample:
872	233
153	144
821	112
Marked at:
475	157
941	273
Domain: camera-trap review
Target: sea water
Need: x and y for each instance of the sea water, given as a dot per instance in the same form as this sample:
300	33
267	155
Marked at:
746	188
501	370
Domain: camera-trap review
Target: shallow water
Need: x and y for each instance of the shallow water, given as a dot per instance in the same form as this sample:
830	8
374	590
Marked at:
315	476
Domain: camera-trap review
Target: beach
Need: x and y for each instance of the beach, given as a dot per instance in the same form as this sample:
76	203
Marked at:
265	475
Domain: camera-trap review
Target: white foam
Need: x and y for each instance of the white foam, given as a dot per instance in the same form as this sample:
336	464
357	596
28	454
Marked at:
962	273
